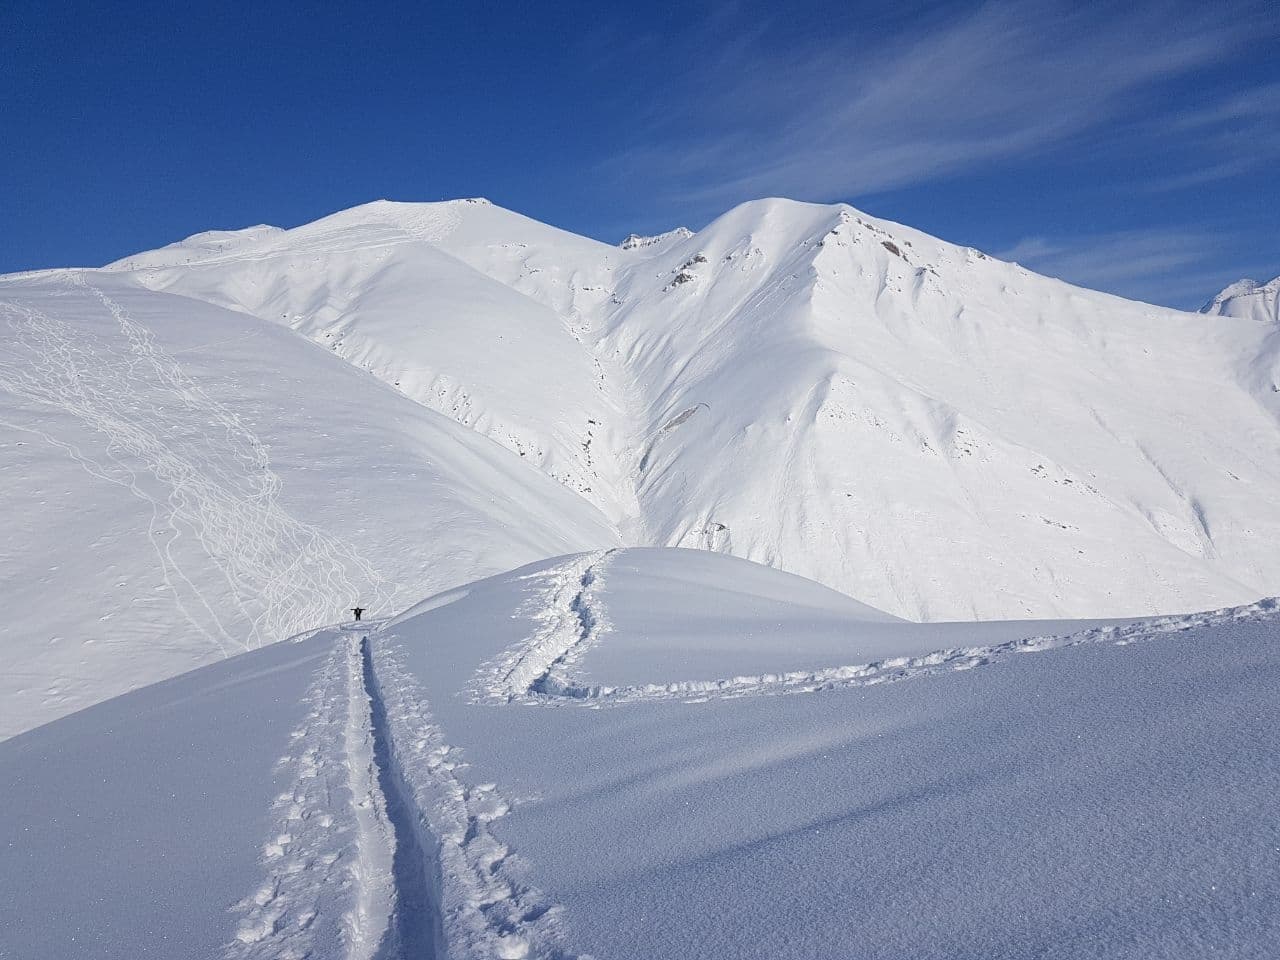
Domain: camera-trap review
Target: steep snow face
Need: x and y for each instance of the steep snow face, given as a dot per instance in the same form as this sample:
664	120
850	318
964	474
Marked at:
1248	299
915	424
183	482
941	434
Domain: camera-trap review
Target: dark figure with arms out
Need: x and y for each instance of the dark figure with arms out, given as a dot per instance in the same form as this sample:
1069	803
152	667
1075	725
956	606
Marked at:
357	611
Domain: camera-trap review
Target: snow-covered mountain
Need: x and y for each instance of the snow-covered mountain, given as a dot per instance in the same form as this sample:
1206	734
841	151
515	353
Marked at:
915	424
183	482
1248	299
229	440
585	742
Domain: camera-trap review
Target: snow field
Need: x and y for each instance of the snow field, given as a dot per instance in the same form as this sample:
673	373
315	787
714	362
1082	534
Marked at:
997	805
228	441
184	483
392	789
215	472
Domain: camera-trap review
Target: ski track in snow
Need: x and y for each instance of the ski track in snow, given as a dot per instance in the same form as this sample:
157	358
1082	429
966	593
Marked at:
215	475
330	834
486	908
379	829
572	621
538	670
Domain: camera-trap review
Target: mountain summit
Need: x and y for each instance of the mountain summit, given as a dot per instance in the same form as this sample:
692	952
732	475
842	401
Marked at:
916	424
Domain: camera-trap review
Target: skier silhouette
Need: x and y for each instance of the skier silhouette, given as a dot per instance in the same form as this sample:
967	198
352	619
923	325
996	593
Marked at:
357	611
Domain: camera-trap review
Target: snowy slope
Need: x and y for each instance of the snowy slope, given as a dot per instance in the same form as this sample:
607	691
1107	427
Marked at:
183	482
557	762
945	435
230	439
464	307
915	424
1247	299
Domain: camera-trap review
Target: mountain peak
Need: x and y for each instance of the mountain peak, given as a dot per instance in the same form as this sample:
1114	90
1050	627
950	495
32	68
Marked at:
660	241
1248	299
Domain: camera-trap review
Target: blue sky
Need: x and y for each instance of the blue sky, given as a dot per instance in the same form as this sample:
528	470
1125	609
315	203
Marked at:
1129	148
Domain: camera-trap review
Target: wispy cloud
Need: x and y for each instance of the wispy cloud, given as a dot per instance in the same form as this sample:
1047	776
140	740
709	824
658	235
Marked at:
836	117
1234	134
1168	266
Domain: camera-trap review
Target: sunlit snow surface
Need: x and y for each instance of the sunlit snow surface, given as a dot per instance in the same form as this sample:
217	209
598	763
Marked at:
235	438
460	779
1249	300
916	424
183	482
641	753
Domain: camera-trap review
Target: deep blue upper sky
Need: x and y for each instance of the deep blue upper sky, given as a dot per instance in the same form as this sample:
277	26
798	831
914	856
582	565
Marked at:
1135	150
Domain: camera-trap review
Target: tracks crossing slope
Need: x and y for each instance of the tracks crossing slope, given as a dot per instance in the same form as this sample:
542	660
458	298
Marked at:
202	470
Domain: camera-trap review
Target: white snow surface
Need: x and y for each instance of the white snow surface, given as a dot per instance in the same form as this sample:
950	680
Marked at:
184	482
229	440
932	431
1248	299
440	785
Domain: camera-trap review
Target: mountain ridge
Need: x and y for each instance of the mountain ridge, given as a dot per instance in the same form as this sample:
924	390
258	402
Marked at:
656	333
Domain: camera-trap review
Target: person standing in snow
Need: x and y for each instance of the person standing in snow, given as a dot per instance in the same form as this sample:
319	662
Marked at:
357	611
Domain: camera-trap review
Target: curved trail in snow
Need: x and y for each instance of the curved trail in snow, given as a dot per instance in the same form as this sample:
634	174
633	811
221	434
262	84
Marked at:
200	468
539	670
572	620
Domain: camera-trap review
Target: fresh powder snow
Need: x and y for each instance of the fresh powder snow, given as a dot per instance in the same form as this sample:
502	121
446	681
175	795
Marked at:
805	586
614	755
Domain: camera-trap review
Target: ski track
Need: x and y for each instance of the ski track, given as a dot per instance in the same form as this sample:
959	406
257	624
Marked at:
328	853
572	621
538	670
199	467
486	908
378	847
